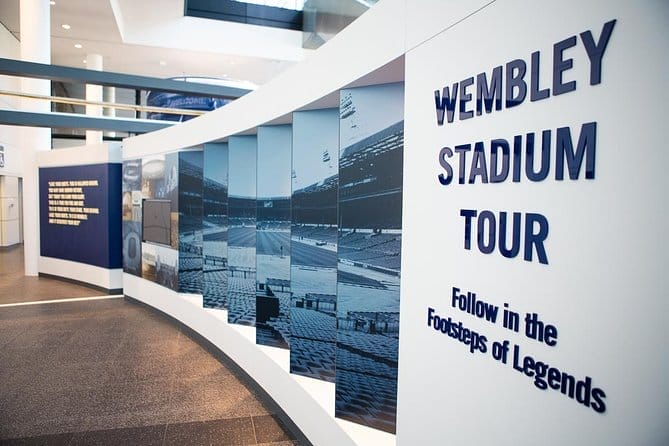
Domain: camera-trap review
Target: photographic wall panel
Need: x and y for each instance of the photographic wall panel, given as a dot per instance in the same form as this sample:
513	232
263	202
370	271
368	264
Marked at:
273	236
215	226
190	221
313	328
131	224
242	151
159	180
371	145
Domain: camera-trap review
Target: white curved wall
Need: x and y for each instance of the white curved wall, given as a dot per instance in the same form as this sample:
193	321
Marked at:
601	241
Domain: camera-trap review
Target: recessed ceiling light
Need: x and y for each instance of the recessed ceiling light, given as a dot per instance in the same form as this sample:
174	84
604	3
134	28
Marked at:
66	26
52	3
162	63
84	60
78	45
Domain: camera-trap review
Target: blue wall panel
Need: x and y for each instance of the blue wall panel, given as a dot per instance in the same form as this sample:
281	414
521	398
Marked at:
80	214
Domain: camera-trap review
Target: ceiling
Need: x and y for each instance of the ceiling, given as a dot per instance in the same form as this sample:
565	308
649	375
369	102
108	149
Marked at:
153	38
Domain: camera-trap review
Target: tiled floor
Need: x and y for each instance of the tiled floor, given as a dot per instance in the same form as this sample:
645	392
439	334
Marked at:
113	372
15	287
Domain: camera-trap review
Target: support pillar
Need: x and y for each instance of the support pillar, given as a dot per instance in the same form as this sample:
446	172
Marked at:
109	95
94	93
35	23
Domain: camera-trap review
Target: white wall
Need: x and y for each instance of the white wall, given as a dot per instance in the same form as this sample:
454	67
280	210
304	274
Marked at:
9	140
9	135
604	286
9	211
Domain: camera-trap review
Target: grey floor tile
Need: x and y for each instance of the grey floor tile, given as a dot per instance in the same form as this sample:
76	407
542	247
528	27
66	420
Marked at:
44	440
219	396
280	443
233	431
193	433
147	398
138	368
269	429
133	436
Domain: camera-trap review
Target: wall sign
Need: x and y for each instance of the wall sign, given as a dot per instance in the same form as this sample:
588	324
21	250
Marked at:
77	205
529	220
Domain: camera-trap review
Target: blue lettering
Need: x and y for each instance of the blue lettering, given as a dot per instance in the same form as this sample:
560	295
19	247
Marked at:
443	153
468	214
587	142
517	155
596	50
495	145
515	237
536	239
485	95
478	164
489	217
487	230
560	65
462	151
444	103
535	93
545	156
515	73
464	98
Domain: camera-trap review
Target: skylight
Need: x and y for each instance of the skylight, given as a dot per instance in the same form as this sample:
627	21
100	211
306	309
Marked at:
285	14
296	5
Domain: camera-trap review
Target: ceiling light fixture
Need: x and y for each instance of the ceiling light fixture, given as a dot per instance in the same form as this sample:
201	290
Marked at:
52	3
78	45
84	60
66	26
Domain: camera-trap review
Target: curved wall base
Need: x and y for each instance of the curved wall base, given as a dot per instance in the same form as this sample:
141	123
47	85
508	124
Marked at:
309	403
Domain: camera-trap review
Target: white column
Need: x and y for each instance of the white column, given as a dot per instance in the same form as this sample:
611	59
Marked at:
109	95
94	93
35	24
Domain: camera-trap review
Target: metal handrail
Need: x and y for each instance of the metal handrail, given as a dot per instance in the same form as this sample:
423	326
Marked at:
75	101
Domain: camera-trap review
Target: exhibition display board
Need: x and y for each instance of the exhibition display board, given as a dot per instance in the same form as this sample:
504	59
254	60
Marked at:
162	219
158	183
313	263
80	216
190	221
273	236
371	145
536	184
460	238
77	204
215	226
242	210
